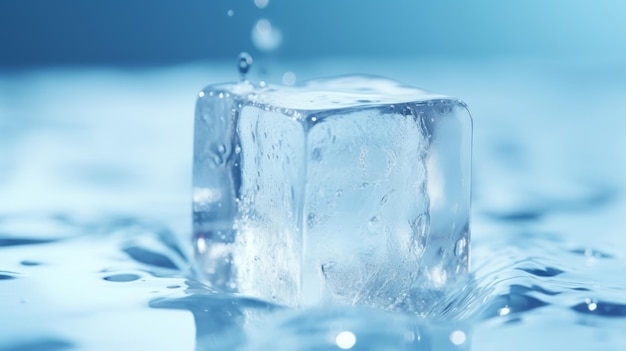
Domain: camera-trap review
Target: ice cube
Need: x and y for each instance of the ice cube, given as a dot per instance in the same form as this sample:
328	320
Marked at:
353	190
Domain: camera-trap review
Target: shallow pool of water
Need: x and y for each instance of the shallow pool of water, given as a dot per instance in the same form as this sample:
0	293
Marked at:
95	175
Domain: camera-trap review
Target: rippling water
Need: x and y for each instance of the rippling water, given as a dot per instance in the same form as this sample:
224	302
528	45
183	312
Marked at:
95	216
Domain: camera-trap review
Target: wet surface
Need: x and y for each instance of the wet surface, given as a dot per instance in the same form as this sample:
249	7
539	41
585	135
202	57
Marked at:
95	219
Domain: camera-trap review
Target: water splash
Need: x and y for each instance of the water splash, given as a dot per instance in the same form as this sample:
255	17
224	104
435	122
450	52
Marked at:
127	261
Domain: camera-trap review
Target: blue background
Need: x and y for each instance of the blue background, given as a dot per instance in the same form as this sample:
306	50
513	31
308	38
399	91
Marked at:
146	32
96	127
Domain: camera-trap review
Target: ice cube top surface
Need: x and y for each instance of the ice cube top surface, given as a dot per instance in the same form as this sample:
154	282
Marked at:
331	93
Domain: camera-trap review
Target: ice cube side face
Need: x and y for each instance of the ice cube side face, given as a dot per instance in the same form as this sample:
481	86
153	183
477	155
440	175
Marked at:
364	205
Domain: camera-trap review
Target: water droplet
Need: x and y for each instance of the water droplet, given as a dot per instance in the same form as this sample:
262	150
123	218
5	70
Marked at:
266	37
262	84
261	3
230	13
122	278
345	340
339	193
221	95
503	311
592	304
221	148
201	94
30	263
289	78
243	64
457	337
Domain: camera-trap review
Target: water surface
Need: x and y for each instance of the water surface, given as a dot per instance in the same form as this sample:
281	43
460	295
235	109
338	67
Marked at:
95	180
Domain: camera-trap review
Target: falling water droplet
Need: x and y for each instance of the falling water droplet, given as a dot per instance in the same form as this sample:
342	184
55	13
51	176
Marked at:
230	13
289	78
243	64
261	3
265	36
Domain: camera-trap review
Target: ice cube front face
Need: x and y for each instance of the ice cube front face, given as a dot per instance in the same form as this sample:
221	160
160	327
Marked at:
352	190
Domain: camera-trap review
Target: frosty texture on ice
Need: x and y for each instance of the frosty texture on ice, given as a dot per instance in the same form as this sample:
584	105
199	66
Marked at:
353	190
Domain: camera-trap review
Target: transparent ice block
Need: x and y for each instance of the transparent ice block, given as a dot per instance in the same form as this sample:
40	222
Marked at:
353	190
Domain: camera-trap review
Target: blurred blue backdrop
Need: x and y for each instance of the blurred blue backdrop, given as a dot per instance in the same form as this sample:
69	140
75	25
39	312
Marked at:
153	32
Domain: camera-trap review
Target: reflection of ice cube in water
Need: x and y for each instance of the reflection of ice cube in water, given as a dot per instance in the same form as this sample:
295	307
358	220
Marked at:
351	190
